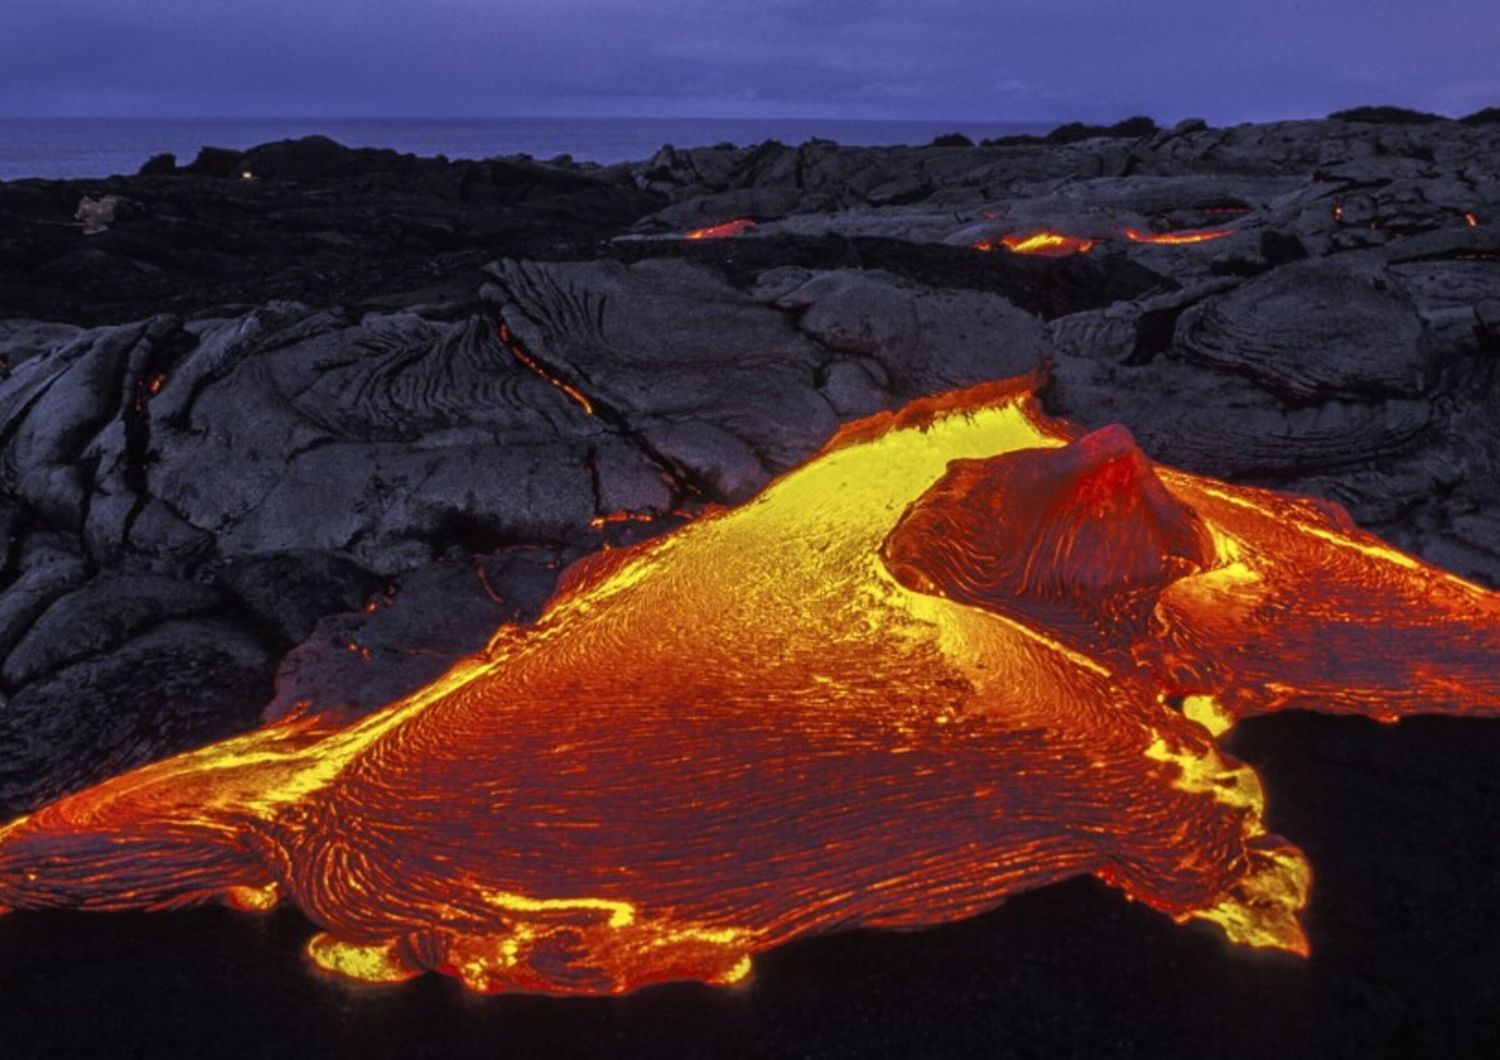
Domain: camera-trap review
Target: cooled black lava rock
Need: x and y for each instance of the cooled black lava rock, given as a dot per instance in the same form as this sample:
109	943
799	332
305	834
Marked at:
306	219
162	165
1387	116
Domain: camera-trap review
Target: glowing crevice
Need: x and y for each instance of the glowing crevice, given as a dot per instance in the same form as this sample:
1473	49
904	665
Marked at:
1048	243
1177	239
1041	244
727	230
517	349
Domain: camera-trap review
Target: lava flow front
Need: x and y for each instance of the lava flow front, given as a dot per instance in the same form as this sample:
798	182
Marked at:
1048	244
1042	244
727	230
1178	239
961	653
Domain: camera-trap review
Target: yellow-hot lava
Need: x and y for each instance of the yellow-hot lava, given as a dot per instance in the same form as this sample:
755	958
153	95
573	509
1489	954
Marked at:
1177	239
933	667
518	351
1049	244
727	230
1042	244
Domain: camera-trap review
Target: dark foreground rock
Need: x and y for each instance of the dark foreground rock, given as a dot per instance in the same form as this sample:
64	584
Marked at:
300	439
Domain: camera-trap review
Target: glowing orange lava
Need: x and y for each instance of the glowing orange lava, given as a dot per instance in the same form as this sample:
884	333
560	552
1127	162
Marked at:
599	522
1057	244
1472	220
727	230
518	351
1177	239
1043	244
961	653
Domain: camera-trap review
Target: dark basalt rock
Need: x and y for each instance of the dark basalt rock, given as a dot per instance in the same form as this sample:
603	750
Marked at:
1045	288
313	158
108	611
1387	116
306	219
46	566
162	165
1314	330
358	660
921	341
176	685
1075	132
220	162
286	593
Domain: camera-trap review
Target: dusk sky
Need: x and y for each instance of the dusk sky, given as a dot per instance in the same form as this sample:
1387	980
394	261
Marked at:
970	59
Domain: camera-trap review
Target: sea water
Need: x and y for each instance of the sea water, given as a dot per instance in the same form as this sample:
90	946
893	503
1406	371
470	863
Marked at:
97	147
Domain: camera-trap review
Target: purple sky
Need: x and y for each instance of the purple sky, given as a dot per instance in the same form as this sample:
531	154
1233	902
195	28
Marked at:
972	59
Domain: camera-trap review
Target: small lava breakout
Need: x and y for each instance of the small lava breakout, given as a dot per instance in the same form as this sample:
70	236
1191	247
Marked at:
1048	244
727	230
964	651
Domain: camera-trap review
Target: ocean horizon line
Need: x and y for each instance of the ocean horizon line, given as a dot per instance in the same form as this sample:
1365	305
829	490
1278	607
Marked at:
87	148
366	119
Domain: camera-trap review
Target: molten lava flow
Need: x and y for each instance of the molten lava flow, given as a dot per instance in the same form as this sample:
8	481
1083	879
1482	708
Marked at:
1472	220
1046	245
727	230
1057	245
933	667
1177	239
518	351
599	522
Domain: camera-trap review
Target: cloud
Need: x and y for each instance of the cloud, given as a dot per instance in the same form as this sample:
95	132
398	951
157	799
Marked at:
1002	59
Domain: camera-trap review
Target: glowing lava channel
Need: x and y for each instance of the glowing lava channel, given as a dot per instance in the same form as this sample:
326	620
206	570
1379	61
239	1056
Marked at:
1058	245
514	346
727	230
1042	244
931	668
1178	239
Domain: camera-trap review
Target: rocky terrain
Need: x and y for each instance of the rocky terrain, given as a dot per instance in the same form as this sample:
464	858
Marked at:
294	428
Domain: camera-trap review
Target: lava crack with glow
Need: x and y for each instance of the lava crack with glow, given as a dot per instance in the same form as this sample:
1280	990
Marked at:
963	652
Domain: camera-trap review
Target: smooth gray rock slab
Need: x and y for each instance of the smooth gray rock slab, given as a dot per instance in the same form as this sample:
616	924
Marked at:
357	661
106	612
180	684
1314	330
288	592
